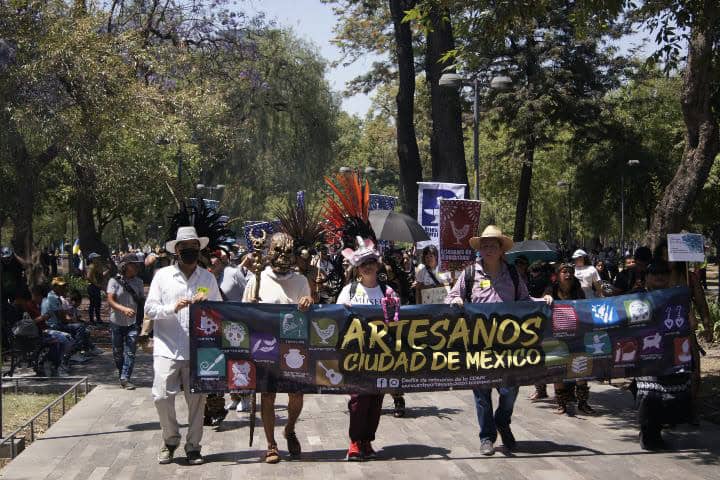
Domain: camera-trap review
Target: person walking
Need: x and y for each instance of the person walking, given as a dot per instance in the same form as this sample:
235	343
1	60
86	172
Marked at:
172	291
97	276
126	297
492	280
365	409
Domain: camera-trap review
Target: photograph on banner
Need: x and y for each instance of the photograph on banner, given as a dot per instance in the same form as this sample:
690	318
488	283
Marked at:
431	295
429	195
363	349
686	247
459	221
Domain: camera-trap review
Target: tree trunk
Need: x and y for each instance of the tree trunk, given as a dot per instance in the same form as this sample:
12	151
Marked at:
702	141
408	153
90	240
446	141
524	191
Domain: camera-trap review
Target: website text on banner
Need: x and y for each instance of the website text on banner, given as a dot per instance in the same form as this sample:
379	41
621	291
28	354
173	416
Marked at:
334	349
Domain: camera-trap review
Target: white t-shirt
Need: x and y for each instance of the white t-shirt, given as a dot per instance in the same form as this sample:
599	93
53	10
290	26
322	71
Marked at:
363	295
422	276
278	288
587	275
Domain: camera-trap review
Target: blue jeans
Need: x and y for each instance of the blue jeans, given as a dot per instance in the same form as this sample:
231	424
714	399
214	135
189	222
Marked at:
483	406
124	344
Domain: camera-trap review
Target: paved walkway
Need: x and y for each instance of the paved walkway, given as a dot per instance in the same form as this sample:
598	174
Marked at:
114	434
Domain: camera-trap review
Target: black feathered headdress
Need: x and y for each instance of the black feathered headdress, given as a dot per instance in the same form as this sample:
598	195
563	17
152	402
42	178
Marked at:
207	222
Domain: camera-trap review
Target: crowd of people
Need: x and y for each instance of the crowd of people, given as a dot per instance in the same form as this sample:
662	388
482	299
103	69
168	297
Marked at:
190	268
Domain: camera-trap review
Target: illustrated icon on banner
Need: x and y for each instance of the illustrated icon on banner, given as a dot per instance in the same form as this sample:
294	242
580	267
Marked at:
556	352
604	313
211	362
652	343
598	343
581	365
682	351
459	233
264	346
293	326
324	332
235	335
431	205
242	375
208	325
638	311
626	351
674	319
327	373
564	318
293	357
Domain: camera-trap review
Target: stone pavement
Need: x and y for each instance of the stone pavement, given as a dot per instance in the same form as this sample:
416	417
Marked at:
114	434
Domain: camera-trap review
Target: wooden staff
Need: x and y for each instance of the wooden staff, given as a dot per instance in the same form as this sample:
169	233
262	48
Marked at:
258	244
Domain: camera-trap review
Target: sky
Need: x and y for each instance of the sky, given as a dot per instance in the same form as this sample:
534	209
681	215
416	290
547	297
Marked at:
314	21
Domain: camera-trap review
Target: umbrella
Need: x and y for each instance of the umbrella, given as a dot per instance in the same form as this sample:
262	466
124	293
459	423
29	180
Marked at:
398	227
533	250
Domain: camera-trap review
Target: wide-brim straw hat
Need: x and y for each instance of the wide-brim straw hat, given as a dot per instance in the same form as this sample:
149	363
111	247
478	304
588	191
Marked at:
184	234
491	231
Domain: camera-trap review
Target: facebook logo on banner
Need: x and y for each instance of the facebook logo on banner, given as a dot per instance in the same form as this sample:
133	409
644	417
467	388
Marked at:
604	313
431	205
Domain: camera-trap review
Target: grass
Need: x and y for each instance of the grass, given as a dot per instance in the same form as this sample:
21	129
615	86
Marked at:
18	408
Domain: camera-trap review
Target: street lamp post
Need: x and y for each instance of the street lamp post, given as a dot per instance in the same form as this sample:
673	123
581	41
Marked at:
453	80
210	188
630	163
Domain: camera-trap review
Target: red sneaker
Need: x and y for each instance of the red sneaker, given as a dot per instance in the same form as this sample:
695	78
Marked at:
354	454
368	451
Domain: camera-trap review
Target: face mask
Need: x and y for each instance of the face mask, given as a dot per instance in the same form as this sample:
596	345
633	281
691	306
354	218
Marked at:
189	256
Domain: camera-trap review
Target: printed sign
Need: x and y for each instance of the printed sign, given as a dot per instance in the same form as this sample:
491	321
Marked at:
429	195
339	349
458	223
686	247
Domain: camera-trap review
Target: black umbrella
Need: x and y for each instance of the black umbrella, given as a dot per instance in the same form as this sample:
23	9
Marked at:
398	227
533	250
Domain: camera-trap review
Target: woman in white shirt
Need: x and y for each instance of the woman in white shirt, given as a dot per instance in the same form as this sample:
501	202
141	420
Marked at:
428	273
364	289
587	275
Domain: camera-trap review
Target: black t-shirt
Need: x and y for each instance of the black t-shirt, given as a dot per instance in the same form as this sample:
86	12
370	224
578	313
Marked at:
625	281
576	292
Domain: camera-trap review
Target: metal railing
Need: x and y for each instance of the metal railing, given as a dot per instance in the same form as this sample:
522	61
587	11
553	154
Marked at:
47	410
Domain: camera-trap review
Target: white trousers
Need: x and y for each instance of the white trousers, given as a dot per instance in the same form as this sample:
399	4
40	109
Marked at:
169	374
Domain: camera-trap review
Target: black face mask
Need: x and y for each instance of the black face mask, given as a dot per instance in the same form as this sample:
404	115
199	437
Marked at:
189	256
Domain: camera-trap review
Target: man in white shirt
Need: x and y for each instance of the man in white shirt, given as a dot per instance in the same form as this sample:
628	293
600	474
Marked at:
172	291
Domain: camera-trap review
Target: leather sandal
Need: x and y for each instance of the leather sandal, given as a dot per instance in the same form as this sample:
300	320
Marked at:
272	455
293	443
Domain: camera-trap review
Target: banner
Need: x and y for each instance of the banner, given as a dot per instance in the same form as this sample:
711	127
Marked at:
459	221
382	202
237	347
429	194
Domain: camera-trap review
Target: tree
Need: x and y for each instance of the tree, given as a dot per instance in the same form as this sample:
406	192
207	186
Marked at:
697	25
408	153
446	143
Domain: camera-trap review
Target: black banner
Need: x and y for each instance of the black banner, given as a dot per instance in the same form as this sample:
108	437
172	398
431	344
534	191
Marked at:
238	347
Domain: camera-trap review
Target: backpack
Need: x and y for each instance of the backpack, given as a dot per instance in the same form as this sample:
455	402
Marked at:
26	327
354	285
470	280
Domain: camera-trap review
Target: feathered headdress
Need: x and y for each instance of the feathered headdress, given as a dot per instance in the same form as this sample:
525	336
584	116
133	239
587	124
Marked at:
348	217
304	227
207	222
